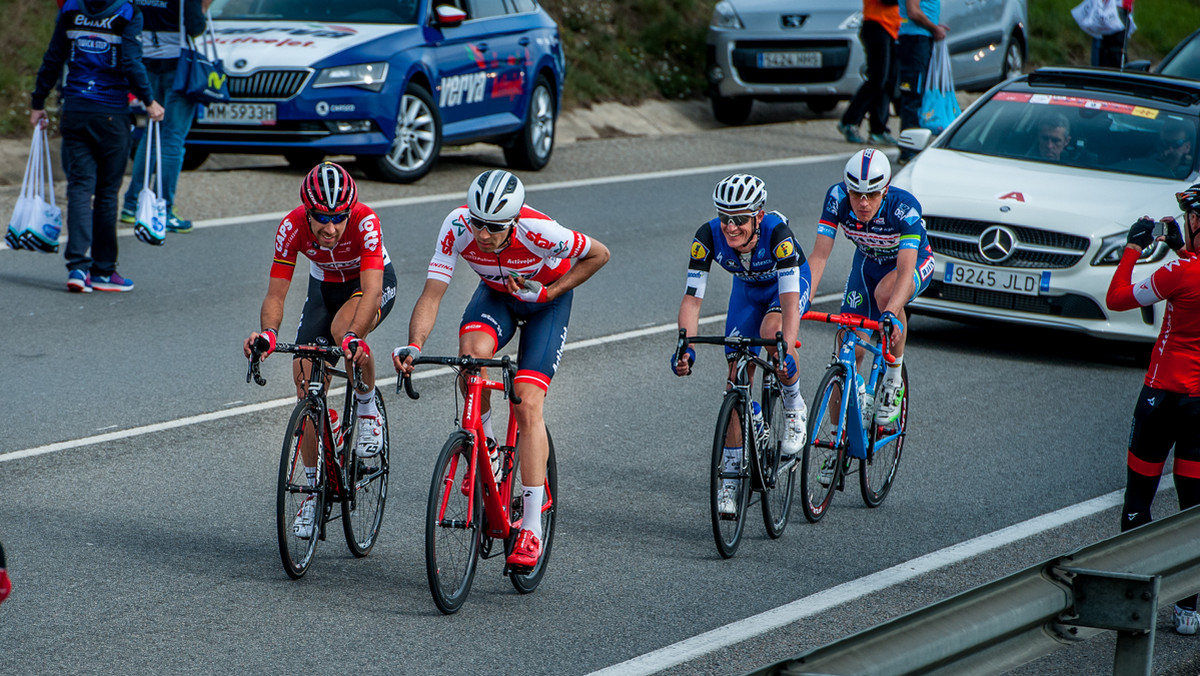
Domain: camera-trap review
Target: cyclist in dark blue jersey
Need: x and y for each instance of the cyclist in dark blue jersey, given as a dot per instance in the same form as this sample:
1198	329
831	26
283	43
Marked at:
770	293
893	262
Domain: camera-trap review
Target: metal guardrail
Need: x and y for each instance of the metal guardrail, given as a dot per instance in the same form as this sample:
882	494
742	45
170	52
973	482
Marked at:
1116	584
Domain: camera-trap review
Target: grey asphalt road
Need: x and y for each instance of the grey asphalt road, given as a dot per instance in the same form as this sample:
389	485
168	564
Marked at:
156	552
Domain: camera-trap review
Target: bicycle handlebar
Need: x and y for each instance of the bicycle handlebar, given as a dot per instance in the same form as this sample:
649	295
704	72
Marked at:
307	351
850	321
734	341
509	371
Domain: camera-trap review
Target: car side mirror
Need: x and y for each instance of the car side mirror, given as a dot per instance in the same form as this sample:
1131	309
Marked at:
446	16
916	139
1142	65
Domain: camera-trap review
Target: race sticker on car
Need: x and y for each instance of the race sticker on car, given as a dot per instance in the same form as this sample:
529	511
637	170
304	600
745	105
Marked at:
1010	281
789	59
256	114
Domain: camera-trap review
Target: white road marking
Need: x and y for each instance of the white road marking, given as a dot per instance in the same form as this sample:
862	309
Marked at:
559	185
742	630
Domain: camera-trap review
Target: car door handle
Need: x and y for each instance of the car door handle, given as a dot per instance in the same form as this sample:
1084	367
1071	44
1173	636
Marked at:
524	42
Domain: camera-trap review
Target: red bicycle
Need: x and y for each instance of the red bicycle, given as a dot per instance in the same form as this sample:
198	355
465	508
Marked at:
469	510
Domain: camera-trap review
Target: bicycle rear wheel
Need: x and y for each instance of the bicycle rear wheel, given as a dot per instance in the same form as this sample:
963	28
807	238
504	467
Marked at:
452	526
366	482
875	476
821	465
727	528
293	488
779	476
528	582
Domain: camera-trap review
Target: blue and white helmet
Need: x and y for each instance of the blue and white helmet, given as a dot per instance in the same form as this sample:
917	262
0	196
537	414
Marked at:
496	196
868	171
739	193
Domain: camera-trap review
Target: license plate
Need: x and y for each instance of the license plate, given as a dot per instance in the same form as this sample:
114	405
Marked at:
789	59
256	114
1025	283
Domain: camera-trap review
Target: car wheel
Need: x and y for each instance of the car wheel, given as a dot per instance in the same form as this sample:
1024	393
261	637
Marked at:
192	158
731	111
417	142
1014	59
303	159
821	104
532	147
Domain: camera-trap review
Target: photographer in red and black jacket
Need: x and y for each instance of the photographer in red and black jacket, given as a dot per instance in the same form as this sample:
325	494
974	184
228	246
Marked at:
1168	409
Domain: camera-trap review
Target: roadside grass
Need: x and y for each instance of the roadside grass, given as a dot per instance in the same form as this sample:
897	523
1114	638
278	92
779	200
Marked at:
627	50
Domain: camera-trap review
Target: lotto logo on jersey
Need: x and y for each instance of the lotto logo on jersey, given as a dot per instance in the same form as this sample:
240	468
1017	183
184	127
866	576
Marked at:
698	251
854	299
448	244
785	249
370	234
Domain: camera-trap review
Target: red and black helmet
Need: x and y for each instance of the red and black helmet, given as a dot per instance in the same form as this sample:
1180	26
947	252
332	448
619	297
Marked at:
1189	200
328	189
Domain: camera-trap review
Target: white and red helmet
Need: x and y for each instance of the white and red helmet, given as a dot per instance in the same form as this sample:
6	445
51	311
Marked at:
328	189
868	171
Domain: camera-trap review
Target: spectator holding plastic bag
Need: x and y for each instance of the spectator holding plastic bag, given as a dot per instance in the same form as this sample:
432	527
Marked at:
95	58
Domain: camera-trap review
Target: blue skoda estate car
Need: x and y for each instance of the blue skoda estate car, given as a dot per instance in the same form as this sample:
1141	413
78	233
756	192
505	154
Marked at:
389	81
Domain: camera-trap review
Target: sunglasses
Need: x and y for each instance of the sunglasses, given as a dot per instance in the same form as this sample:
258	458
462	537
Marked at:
480	224
1171	143
740	219
325	219
854	194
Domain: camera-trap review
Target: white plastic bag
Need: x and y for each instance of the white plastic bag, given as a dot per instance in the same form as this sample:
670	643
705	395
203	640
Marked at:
43	218
151	226
16	224
1098	18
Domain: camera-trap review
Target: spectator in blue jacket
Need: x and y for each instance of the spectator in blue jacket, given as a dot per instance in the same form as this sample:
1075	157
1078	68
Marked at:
95	58
919	29
160	54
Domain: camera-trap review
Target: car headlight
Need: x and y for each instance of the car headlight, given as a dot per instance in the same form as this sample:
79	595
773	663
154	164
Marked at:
366	75
724	16
851	23
1112	247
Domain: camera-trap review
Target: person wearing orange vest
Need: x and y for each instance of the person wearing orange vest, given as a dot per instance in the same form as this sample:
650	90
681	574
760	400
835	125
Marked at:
879	32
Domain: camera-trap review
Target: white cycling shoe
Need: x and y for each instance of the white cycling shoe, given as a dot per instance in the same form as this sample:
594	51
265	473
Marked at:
370	436
795	423
1186	621
727	500
306	518
887	407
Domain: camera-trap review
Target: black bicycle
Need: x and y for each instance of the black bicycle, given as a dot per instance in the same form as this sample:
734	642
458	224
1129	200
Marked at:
762	468
359	484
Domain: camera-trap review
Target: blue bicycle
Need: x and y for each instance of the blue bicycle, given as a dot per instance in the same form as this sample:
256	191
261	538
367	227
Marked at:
842	426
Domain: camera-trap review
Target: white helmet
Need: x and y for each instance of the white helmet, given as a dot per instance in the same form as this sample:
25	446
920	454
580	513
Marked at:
868	171
496	196
739	193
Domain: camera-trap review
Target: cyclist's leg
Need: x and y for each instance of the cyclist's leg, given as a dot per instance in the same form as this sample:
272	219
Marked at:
487	326
744	317
887	285
1150	438
344	302
1187	467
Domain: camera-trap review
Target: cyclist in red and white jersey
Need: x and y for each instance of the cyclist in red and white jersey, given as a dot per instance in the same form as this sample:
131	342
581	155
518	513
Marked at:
1167	412
528	266
351	288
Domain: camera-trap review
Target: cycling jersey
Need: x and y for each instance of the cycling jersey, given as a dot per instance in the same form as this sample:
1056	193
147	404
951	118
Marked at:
775	257
360	247
898	224
539	248
1175	359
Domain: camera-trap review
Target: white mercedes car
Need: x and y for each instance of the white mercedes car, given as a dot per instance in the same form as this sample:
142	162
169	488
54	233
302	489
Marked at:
1029	195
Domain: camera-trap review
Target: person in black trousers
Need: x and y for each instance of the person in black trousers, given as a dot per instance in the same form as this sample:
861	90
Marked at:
880	29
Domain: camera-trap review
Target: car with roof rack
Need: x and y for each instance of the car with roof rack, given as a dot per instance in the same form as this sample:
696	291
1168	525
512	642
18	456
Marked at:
1029	194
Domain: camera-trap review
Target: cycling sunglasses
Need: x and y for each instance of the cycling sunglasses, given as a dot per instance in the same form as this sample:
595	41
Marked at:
480	224
325	219
739	219
854	194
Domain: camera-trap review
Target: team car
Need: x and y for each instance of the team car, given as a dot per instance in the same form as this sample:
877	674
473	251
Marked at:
1029	194
389	81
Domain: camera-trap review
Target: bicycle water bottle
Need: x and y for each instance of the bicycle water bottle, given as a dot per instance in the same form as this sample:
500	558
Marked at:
760	426
335	426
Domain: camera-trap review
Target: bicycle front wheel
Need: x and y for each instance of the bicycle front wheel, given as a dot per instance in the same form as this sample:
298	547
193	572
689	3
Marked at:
529	581
778	475
821	465
366	484
876	474
728	502
452	526
296	551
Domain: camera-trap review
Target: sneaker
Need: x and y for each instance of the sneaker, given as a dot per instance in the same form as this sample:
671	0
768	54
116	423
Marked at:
113	282
526	551
884	139
175	223
306	518
727	500
887	409
825	474
370	436
79	281
1186	621
795	432
851	133
128	216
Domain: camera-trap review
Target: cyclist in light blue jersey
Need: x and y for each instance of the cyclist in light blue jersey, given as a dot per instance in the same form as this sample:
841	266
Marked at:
893	261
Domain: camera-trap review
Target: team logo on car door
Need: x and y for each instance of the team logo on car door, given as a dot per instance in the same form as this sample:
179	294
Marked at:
469	86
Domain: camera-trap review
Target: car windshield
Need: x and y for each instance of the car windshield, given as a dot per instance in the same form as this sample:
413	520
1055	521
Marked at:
343	11
1082	130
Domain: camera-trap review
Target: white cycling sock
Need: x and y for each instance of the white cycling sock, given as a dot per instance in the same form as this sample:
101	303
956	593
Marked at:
532	519
366	403
485	421
733	458
893	373
791	393
310	473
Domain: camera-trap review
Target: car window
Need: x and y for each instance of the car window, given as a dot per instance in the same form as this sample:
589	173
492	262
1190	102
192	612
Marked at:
1083	131
351	11
1185	62
482	9
522	5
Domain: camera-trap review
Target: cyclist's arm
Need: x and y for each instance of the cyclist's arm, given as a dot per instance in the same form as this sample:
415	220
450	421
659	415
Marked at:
689	314
902	289
586	266
818	258
1123	294
271	314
